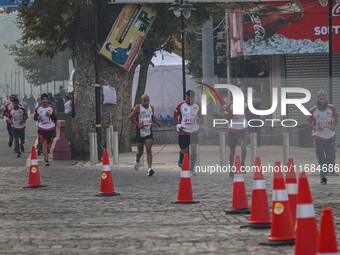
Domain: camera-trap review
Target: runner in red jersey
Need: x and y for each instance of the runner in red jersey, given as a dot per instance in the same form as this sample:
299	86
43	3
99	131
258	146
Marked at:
46	115
18	116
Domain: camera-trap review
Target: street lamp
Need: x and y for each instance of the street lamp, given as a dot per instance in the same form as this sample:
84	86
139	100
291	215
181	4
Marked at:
183	10
324	3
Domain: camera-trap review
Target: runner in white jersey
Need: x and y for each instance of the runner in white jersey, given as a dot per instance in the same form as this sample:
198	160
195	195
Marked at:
46	115
142	116
323	120
187	116
237	133
18	116
7	108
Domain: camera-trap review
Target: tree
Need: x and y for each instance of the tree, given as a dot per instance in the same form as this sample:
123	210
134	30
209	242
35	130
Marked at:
41	69
62	24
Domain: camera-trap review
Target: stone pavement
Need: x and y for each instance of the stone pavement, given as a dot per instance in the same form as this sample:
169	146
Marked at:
67	218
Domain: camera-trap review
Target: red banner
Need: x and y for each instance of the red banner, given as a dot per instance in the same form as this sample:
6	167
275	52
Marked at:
288	28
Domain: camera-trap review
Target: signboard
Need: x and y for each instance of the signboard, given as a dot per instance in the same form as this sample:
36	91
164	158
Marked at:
14	3
288	28
126	37
191	1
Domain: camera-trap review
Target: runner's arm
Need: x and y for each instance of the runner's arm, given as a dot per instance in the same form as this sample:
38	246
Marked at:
154	118
133	115
177	113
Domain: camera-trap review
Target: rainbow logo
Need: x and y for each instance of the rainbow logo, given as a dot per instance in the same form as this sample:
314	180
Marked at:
209	90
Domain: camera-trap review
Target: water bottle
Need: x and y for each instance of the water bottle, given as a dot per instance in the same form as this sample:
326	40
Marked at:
161	119
168	120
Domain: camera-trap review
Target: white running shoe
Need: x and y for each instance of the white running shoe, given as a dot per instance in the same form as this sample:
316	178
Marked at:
136	165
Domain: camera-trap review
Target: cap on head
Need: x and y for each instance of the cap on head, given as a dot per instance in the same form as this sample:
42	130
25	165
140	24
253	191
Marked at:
190	93
321	93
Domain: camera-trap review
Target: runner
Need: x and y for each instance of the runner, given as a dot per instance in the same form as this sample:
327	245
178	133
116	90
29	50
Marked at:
18	116
46	115
7	108
237	133
323	121
187	116
142	116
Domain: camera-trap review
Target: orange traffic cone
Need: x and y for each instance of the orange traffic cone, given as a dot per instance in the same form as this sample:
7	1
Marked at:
185	189
34	175
240	201
282	231
106	185
291	186
307	230
327	244
259	215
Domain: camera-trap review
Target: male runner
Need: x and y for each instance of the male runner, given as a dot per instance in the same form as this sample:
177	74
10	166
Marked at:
323	121
237	133
187	116
18	116
46	115
142	116
7	108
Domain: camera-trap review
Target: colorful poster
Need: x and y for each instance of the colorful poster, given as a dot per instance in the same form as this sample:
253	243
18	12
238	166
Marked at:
126	37
288	28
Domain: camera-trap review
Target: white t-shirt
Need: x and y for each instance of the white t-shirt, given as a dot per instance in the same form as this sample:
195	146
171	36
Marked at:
46	122
323	119
187	116
16	116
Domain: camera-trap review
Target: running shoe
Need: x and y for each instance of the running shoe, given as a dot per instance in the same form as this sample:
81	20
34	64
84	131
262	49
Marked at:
47	163
323	181
150	172
18	155
136	165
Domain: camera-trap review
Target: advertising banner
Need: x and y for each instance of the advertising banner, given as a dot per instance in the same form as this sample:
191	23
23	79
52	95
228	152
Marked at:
126	37
287	28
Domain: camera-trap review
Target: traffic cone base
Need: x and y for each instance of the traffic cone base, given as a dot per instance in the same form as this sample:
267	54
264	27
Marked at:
238	211
107	194
257	225
278	242
185	202
34	186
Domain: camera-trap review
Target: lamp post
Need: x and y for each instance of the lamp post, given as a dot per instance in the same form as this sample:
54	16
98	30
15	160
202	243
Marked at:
97	85
330	3
182	9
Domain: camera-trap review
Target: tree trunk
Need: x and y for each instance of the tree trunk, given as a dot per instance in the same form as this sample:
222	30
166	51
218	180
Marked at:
84	84
143	75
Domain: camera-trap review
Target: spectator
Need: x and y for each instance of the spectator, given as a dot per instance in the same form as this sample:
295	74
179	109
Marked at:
31	104
24	103
59	104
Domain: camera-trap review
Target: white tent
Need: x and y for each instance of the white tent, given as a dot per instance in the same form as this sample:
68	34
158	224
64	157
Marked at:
164	83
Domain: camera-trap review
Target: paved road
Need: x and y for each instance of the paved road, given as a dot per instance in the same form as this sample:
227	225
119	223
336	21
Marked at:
66	217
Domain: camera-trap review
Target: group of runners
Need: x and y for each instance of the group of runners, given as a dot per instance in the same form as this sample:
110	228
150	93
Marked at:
187	116
16	115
